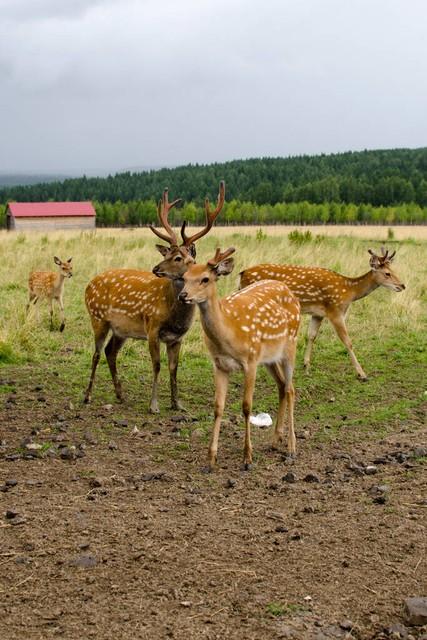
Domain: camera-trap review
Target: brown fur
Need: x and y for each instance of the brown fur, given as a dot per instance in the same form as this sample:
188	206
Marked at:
257	325
50	285
326	294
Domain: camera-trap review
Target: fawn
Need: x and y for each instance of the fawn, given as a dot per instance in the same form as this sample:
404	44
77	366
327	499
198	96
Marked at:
50	285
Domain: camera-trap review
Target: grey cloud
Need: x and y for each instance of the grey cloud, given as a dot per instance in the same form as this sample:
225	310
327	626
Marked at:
33	10
117	84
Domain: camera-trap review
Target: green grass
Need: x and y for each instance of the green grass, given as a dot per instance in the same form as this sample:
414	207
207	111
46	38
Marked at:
277	610
388	331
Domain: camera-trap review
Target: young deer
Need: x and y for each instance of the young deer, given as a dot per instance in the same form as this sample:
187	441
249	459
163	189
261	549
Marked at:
257	325
327	294
50	285
143	305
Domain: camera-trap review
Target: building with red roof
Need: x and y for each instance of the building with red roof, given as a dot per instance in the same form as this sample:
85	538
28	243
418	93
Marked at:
50	216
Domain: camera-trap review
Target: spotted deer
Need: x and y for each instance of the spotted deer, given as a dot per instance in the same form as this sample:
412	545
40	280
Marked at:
49	285
257	325
326	294
131	303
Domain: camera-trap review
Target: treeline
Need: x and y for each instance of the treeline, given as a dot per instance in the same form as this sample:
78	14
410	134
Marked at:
379	178
142	213
240	213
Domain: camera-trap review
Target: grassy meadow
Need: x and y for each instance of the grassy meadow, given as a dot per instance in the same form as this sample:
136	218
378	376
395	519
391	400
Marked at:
388	329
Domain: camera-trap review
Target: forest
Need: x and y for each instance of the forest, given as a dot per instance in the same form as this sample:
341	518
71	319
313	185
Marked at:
377	187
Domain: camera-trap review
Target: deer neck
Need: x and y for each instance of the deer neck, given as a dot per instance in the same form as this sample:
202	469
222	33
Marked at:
212	318
59	282
363	285
180	311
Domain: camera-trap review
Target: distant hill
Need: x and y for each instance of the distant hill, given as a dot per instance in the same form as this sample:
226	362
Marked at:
24	179
378	177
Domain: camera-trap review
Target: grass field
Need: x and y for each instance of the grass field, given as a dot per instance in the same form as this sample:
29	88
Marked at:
382	325
204	540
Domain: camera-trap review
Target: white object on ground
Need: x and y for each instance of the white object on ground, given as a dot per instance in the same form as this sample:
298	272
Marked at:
261	420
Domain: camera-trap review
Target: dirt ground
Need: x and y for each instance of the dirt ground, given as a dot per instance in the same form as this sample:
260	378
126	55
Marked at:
123	536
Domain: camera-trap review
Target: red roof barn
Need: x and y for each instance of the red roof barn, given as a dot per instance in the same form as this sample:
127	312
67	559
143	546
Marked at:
48	216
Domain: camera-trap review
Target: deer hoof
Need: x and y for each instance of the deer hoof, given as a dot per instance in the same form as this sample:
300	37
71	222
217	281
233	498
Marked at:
207	469
154	410
177	406
363	378
86	400
247	466
62	327
289	458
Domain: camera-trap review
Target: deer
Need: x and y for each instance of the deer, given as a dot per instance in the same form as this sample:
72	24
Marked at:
144	305
326	294
254	326
49	285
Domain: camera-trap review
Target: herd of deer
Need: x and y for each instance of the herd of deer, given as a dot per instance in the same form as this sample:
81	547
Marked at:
256	325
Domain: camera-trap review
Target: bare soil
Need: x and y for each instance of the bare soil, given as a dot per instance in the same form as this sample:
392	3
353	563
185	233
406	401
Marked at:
125	537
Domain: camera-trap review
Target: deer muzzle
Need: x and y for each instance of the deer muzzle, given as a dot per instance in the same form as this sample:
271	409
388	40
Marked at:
183	297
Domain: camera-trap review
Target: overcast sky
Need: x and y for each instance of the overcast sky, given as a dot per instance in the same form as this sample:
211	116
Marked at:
115	84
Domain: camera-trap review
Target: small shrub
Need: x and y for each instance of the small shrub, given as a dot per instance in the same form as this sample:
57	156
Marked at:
300	237
260	235
7	354
275	609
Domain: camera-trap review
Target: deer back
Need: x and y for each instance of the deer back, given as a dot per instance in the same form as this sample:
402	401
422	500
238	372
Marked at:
312	285
42	283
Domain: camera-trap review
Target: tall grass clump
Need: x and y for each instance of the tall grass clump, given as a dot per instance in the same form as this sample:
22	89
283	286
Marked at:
300	237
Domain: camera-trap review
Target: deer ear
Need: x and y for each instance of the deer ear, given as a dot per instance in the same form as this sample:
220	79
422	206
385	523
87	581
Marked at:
374	261
224	267
57	260
163	250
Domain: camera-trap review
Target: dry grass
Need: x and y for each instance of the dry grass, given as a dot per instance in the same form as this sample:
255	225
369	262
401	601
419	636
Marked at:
94	252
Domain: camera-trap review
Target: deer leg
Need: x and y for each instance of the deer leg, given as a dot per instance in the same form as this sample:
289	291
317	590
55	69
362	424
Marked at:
173	357
61	306
290	399
111	350
338	322
154	346
288	368
101	332
33	299
51	313
313	330
277	374
248	392
221	385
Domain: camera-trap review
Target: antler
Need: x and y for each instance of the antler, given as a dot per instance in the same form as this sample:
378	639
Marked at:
385	257
219	257
163	209
210	217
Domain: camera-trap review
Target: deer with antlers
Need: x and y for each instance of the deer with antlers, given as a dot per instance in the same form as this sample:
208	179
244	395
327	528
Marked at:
49	285
326	294
257	325
144	305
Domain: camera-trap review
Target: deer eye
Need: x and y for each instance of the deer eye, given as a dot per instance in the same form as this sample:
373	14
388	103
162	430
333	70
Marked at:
388	274
204	280
178	259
